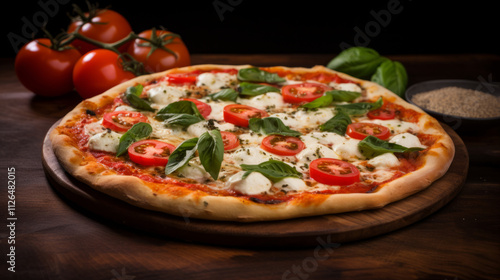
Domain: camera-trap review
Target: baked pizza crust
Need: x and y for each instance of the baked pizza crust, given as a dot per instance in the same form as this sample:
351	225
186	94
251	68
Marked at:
196	204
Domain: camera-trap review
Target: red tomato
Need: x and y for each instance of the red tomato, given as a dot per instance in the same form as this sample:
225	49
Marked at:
282	145
306	92
382	114
230	140
361	130
121	121
160	60
183	78
45	71
98	71
239	114
150	152
331	171
203	107
105	26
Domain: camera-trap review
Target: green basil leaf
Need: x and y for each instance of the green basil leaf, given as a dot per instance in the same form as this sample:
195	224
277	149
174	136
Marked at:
274	170
183	120
211	152
181	113
359	62
337	124
322	101
132	97
181	155
343	95
271	125
391	75
371	147
180	107
138	131
360	108
227	94
256	75
331	96
255	89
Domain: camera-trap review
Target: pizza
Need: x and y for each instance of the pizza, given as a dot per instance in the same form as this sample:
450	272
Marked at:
245	143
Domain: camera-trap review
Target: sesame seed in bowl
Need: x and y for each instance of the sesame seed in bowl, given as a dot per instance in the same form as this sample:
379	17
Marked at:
462	104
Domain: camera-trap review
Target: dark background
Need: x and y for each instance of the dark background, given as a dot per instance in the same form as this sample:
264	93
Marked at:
246	26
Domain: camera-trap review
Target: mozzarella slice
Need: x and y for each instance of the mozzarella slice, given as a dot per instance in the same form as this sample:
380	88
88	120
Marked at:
386	160
215	81
163	94
217	109
251	138
269	100
396	126
94	128
254	183
106	141
325	138
288	120
291	184
315	151
251	155
314	118
199	128
193	170
348	150
346	87
407	140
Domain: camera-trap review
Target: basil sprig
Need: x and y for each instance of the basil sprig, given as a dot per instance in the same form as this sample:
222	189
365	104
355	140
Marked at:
181	113
366	63
337	124
271	125
274	170
359	62
227	94
254	74
360	108
210	149
137	132
372	146
132	96
332	96
252	89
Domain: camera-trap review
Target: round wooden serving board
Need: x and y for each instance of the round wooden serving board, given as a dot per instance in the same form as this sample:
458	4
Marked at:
290	233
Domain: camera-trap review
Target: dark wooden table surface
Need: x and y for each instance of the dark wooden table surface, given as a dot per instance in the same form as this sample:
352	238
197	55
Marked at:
54	239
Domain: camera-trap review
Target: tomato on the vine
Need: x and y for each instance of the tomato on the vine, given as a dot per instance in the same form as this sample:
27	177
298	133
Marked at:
46	71
98	71
105	26
165	51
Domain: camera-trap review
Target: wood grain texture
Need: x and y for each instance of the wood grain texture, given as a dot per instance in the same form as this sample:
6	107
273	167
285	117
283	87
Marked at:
57	239
290	233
